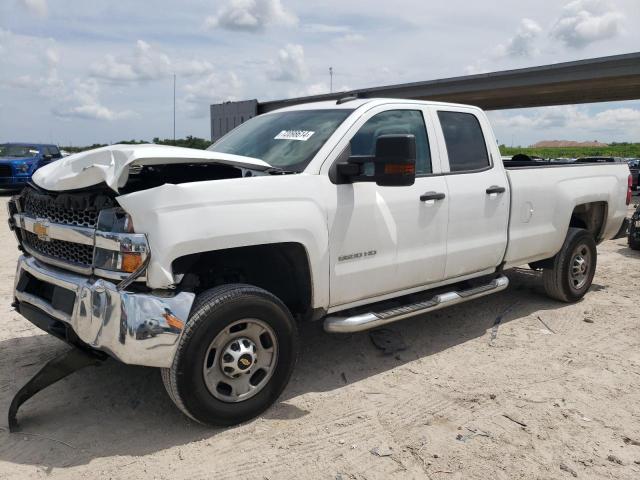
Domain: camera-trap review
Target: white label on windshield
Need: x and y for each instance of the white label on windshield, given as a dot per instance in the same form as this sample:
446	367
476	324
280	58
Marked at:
302	135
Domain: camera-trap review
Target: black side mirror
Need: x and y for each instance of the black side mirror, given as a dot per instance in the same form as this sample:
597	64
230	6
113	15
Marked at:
394	163
395	160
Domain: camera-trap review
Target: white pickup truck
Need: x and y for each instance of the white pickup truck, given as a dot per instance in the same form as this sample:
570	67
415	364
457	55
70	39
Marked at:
359	212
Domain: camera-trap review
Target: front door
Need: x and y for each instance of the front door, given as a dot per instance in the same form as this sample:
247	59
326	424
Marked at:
388	239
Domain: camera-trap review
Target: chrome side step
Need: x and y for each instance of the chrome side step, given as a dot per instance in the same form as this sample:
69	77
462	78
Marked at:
365	321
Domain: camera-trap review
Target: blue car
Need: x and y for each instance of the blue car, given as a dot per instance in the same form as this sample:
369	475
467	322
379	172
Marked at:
18	161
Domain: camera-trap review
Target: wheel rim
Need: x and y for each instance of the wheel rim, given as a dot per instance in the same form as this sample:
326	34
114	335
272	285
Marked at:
240	360
580	267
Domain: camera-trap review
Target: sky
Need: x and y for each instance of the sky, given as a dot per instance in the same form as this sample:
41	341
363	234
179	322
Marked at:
77	72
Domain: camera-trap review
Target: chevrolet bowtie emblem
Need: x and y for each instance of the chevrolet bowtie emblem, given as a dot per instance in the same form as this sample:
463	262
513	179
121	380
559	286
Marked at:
41	230
244	362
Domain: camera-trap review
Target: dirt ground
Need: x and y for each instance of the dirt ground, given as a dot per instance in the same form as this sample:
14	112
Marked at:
510	386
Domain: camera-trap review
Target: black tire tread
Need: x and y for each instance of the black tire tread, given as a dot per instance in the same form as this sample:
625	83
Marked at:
553	277
203	305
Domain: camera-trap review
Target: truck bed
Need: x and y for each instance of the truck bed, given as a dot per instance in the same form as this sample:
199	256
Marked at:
544	196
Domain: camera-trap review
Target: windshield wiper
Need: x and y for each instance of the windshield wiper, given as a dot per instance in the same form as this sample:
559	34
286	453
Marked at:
279	171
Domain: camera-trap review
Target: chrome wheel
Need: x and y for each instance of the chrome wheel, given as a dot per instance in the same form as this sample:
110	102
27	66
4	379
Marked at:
240	360
580	266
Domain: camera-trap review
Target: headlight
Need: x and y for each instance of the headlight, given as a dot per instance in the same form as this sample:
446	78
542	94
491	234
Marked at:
23	167
118	247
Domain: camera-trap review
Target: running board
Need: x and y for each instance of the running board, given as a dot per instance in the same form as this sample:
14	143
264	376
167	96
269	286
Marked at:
365	321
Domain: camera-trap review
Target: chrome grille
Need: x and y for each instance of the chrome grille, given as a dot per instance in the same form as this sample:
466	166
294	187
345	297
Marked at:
75	253
39	207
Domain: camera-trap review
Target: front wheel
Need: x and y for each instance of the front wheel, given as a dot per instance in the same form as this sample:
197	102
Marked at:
573	268
235	356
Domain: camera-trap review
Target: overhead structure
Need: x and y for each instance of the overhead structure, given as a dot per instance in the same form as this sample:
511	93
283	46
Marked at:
603	79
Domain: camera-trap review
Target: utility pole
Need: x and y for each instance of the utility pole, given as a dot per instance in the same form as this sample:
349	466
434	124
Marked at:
330	79
174	108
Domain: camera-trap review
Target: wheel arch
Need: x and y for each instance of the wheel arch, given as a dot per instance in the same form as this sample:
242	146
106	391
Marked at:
591	216
282	268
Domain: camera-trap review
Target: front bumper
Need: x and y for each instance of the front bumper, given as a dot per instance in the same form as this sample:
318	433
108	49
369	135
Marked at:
135	328
13	182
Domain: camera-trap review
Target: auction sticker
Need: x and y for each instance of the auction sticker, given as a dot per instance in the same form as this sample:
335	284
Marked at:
302	135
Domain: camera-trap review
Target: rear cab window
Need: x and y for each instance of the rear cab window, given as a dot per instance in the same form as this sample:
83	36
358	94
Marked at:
465	142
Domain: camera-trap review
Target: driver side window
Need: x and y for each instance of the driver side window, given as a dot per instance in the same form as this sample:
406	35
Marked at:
392	122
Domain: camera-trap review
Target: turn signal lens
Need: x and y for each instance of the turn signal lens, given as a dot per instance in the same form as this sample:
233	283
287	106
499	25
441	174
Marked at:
629	189
130	262
399	169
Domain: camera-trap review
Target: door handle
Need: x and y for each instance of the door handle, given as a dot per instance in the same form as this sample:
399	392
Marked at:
425	197
495	189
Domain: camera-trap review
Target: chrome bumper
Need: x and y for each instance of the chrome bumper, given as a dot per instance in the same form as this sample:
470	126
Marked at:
135	328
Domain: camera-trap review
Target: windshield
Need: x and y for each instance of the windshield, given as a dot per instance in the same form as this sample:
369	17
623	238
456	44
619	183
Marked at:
288	140
18	151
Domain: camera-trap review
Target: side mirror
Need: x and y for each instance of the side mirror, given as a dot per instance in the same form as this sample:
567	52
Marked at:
395	160
394	163
47	156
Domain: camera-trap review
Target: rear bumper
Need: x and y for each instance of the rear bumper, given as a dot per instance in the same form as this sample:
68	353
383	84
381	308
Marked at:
135	328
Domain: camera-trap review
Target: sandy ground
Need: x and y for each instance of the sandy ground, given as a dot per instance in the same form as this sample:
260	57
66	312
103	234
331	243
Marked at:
511	386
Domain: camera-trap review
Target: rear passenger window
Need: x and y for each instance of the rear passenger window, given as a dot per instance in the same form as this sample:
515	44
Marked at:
389	123
465	142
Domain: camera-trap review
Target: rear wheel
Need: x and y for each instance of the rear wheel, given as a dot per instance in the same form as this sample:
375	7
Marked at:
235	356
571	274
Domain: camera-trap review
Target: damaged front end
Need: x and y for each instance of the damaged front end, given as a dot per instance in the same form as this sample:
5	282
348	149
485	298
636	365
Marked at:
82	277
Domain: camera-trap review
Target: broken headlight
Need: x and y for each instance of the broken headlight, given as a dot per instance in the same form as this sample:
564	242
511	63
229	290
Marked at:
118	248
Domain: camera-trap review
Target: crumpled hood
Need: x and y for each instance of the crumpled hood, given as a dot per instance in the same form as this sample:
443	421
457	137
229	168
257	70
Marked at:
111	164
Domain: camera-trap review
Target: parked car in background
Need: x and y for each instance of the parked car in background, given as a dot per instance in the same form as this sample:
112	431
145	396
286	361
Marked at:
634	168
634	230
600	160
19	161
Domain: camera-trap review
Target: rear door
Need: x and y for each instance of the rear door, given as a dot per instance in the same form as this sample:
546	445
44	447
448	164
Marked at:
478	192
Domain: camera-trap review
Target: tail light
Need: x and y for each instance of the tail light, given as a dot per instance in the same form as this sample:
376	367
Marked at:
629	185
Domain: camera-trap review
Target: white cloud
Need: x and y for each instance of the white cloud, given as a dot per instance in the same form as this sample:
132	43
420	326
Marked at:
146	63
351	38
37	7
213	88
47	84
290	65
522	44
586	21
324	28
83	102
251	15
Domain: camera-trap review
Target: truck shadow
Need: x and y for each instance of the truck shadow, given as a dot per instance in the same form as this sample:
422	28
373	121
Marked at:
117	409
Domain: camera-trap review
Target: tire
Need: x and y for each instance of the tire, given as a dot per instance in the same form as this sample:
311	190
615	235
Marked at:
633	243
232	315
561	280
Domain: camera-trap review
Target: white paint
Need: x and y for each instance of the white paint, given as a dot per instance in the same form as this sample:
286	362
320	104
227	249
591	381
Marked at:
417	245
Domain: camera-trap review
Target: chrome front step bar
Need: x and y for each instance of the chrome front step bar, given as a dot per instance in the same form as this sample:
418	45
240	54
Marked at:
366	321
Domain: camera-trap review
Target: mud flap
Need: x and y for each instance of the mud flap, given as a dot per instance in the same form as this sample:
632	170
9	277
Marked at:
54	370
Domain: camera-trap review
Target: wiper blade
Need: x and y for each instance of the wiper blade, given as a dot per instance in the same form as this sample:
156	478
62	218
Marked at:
278	171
